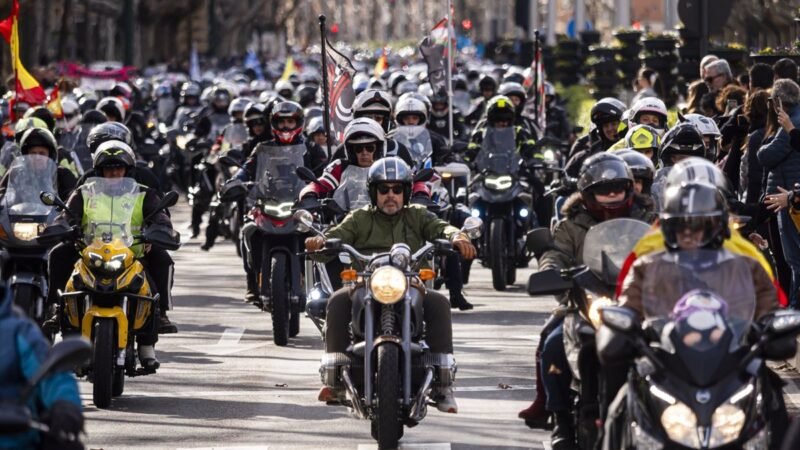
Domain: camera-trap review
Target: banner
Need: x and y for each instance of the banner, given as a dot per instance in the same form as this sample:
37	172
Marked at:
434	51
73	70
54	103
27	89
340	88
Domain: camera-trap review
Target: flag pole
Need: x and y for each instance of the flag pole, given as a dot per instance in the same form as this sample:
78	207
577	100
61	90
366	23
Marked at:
535	84
450	71
326	110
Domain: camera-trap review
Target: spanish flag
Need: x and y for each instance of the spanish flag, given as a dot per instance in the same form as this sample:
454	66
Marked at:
54	103
381	65
28	89
289	69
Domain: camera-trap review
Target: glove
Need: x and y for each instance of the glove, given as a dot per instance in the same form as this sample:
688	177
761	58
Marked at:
464	246
315	243
65	420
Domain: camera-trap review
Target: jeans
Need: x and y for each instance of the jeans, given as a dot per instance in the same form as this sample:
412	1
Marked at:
790	242
556	375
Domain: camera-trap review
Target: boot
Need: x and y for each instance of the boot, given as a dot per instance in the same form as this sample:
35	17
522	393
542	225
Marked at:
164	324
445	400
563	437
457	300
535	416
251	296
331	396
147	358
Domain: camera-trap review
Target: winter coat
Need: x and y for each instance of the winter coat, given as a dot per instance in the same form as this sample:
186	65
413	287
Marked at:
779	158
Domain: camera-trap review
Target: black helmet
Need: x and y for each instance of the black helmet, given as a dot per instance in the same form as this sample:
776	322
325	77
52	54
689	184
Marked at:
190	89
41	112
604	173
109	131
114	154
286	110
606	110
697	207
38	137
487	82
641	167
682	139
500	107
112	107
93	117
255	114
306	95
389	170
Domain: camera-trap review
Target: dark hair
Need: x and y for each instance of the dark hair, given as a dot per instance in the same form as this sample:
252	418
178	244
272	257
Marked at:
696	90
785	68
708	102
655	80
761	76
730	92
755	108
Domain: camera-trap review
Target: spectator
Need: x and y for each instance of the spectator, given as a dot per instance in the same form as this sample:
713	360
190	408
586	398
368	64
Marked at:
731	92
761	76
785	68
697	89
647	84
743	79
708	59
783	166
708	105
718	75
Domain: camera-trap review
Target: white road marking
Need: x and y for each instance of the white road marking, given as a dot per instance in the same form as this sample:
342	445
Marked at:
248	447
792	392
546	445
228	344
445	446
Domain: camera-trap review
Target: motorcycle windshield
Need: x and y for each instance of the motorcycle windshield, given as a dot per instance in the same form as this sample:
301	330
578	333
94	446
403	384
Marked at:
498	153
276	181
718	273
417	140
352	192
608	244
109	205
30	175
234	136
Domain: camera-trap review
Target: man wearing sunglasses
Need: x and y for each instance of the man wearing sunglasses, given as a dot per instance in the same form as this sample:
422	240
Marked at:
605	191
389	220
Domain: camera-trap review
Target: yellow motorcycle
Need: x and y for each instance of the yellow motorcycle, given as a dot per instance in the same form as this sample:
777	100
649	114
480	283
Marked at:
108	298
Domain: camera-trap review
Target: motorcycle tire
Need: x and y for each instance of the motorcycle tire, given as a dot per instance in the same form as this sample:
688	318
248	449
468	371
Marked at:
387	426
24	296
294	324
279	298
511	274
498	251
103	362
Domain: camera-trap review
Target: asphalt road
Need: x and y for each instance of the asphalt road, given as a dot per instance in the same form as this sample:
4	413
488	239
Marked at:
223	384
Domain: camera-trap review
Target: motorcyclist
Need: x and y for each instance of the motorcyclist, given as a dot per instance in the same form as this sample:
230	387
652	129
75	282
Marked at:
644	139
605	191
518	96
641	167
114	160
40	142
64	157
56	401
317	141
606	116
487	85
374	229
111	131
557	124
189	103
711	134
500	114
649	111
256	120
410	111
440	118
681	141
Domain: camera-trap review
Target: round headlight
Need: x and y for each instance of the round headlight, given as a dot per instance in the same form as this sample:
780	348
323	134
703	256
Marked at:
388	285
680	423
726	424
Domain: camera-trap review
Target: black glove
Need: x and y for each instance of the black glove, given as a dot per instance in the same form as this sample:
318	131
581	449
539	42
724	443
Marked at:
65	420
309	201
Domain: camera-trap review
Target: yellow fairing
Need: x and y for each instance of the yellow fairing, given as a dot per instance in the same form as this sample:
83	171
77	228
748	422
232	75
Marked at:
116	313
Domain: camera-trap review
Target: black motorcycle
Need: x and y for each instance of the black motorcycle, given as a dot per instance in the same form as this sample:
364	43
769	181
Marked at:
388	371
698	377
502	199
588	287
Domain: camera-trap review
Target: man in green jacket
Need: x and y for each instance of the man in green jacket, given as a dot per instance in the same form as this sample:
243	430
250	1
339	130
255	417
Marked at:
375	228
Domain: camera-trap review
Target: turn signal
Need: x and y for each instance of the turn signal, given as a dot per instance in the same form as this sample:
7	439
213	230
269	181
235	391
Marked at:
3	234
349	275
426	274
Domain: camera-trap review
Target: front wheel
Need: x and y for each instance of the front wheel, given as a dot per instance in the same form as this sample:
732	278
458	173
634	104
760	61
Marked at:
279	298
497	254
387	424
103	362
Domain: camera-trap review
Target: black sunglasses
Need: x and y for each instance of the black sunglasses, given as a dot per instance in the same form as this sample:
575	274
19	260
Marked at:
710	79
395	188
369	148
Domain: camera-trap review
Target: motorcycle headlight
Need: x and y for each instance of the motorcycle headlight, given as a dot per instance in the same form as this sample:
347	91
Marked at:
280	210
499	183
726	424
115	264
26	231
549	155
680	423
475	212
95	261
388	284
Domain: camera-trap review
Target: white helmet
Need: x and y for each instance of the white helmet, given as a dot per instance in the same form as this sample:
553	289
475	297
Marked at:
107	104
72	115
363	130
650	105
408	105
284	85
697	170
706	126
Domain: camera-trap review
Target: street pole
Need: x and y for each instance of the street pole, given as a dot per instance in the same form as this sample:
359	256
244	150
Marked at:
326	110
450	58
533	19
580	17
552	10
622	13
703	28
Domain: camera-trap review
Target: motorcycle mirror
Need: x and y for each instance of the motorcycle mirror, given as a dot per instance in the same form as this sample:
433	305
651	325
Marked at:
229	161
51	199
232	191
784	322
65	355
548	282
424	175
304	219
539	240
472	226
305	174
169	200
618	318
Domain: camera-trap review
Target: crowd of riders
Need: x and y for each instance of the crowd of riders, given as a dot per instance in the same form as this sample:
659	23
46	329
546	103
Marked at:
640	158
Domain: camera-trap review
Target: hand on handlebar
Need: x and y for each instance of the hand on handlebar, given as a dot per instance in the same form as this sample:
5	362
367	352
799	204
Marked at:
315	243
465	247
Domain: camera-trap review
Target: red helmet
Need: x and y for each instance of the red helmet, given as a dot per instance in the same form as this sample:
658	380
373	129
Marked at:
286	110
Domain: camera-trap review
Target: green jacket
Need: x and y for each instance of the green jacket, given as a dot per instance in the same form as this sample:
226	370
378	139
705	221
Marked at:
371	231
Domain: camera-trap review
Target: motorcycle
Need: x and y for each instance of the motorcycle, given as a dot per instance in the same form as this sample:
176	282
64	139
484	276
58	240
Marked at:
700	378
108	298
501	198
16	417
590	286
225	218
388	372
273	197
23	217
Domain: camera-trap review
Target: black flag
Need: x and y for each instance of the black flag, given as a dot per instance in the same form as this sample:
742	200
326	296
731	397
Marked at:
340	88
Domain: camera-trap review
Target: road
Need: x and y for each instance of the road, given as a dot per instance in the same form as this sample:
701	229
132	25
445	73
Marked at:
224	384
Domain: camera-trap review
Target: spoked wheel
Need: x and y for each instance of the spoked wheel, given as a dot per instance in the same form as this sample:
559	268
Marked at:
279	298
386	426
498	254
103	363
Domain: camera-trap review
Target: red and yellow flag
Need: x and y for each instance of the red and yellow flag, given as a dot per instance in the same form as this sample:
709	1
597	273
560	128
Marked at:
54	103
381	65
28	89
